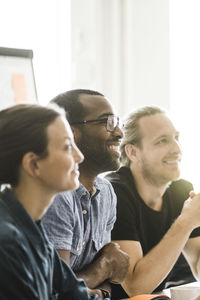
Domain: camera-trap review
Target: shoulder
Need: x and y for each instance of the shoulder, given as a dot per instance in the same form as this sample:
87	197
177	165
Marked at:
104	186
113	177
8	229
64	200
12	237
106	191
123	176
9	233
65	196
101	182
176	194
64	204
180	188
122	181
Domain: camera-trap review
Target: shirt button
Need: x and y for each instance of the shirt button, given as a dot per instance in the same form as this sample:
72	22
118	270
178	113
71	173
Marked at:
84	212
84	193
83	243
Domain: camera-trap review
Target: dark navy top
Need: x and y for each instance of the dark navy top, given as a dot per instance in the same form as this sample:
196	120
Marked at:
29	265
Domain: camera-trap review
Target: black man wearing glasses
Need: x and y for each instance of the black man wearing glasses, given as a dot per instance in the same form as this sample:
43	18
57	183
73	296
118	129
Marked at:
79	222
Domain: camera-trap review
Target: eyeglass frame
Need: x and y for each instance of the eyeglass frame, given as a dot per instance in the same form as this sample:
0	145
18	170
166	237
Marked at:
104	120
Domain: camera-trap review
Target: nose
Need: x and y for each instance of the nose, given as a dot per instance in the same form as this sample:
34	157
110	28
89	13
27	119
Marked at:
77	154
118	132
176	148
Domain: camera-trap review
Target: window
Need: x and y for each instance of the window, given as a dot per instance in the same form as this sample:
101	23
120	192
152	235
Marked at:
185	82
44	27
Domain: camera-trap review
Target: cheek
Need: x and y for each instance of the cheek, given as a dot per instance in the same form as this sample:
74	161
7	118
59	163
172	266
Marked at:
67	164
156	154
62	164
151	158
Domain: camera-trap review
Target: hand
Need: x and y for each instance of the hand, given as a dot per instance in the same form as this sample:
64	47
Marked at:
191	209
118	261
192	194
95	291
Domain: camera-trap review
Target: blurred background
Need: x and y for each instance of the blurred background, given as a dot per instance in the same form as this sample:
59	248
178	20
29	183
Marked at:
136	52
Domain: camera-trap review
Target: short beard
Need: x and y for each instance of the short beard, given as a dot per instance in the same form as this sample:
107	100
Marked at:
154	179
96	160
100	165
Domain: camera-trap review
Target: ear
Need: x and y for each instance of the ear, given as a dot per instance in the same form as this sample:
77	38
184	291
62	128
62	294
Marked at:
131	151
30	164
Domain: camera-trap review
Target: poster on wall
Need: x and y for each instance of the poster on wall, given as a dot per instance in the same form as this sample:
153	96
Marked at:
17	81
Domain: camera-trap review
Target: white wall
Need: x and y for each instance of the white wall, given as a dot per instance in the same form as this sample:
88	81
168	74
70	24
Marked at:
185	81
141	52
44	27
121	47
136	52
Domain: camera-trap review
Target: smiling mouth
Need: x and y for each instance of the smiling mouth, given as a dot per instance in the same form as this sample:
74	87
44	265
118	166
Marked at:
76	172
115	149
172	161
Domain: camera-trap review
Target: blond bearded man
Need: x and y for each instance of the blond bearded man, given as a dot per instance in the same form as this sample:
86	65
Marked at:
158	231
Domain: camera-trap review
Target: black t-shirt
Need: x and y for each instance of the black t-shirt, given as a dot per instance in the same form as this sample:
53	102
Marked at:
138	222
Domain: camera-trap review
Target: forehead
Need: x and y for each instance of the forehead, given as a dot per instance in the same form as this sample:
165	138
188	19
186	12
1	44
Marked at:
96	106
156	125
58	131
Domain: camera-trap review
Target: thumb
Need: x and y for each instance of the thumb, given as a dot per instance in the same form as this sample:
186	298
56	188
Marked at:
192	194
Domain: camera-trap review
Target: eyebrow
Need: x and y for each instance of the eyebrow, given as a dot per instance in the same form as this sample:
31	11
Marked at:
166	135
105	115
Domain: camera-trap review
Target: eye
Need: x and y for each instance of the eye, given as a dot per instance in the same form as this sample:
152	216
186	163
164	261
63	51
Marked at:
163	141
103	121
177	137
68	148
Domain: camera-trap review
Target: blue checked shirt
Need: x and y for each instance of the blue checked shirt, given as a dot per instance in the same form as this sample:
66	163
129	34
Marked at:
81	223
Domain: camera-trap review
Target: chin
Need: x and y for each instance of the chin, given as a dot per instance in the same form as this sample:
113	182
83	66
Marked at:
114	165
175	177
177	174
74	186
71	186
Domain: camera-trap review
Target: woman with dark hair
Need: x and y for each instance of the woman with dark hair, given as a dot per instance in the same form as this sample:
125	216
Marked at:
38	158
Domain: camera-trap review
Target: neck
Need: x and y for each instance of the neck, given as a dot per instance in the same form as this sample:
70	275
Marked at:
152	195
87	177
87	181
34	200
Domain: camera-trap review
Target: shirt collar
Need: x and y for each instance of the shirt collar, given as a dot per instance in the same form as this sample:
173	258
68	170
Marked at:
33	230
82	191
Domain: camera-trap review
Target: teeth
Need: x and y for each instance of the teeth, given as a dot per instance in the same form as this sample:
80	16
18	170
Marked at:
172	161
114	147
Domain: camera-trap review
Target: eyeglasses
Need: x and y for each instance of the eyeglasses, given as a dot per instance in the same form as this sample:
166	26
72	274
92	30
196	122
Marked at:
111	122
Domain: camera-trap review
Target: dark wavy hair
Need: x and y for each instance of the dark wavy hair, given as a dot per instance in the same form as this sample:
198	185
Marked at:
23	129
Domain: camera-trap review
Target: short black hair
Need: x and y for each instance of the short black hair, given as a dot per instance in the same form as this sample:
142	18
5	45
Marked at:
70	101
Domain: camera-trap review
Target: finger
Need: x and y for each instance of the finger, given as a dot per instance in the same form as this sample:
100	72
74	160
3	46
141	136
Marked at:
116	244
192	194
187	202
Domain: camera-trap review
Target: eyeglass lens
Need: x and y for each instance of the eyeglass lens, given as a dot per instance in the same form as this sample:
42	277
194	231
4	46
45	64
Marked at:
112	122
